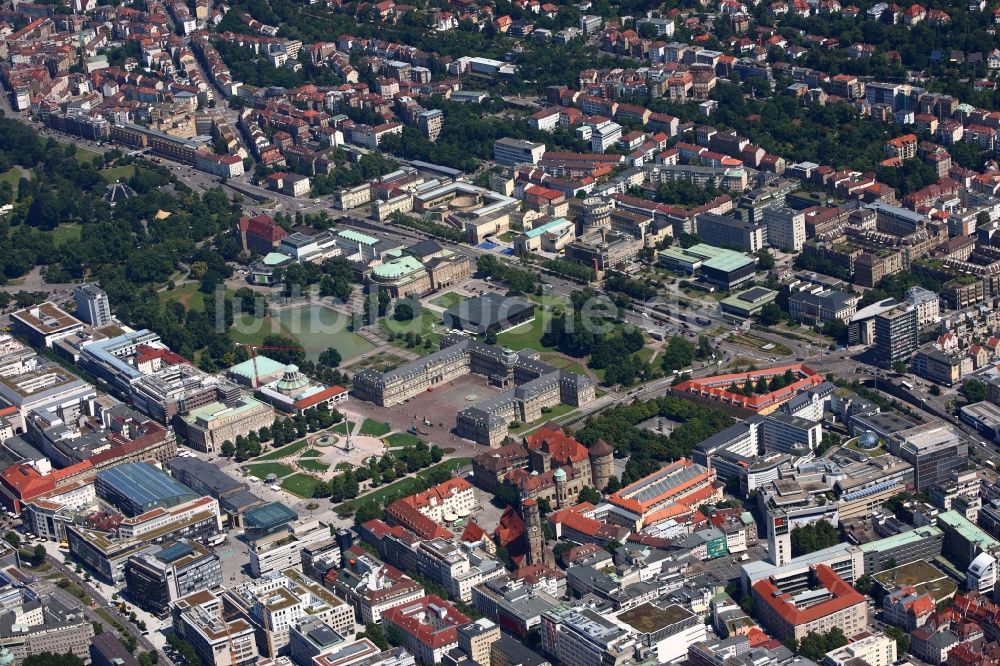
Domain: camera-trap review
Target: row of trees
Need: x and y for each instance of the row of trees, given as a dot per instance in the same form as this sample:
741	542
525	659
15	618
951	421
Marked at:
281	432
763	385
515	278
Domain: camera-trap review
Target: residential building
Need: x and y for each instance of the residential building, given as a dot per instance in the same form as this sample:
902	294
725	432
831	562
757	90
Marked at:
429	627
895	336
373	587
876	649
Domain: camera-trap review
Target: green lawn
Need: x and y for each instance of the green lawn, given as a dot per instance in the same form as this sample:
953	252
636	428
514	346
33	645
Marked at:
401	488
526	336
300	484
261	470
428	326
449	300
400	439
646	354
311	453
313	465
12	176
189	295
84	155
563	363
66	233
555	413
283	452
118	173
373	428
383	362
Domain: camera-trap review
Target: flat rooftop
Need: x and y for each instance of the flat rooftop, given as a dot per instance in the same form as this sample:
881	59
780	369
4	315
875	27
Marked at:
47	318
648	618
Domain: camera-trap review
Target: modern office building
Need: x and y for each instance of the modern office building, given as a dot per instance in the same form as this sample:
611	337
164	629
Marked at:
935	450
162	575
281	550
895	336
922	543
512	152
584	637
828	602
92	305
731	232
199	619
44	324
816	308
784	433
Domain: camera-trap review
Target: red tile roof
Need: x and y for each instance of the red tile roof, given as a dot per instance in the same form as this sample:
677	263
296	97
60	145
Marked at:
843	596
563	449
446	621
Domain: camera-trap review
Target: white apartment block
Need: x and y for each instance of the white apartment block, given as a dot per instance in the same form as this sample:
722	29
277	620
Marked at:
876	650
786	228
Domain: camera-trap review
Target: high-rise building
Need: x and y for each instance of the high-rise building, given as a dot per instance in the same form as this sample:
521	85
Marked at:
895	336
935	450
92	305
157	577
786	228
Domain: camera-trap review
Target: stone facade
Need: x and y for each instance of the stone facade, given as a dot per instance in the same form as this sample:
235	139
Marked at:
532	385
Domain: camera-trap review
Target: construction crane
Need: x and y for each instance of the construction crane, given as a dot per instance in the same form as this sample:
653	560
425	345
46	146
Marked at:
254	381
